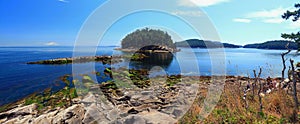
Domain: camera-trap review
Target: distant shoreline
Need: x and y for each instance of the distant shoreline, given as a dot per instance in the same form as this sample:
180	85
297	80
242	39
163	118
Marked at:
268	45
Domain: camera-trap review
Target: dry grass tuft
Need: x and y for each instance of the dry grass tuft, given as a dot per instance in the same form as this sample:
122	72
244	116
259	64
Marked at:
231	108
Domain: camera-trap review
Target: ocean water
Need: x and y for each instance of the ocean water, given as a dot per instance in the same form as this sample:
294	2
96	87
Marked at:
18	79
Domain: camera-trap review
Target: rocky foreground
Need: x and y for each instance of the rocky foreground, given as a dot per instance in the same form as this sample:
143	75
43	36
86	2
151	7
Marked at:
157	103
163	102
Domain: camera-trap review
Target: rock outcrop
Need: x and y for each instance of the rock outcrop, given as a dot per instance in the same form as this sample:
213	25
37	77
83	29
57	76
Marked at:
83	59
157	103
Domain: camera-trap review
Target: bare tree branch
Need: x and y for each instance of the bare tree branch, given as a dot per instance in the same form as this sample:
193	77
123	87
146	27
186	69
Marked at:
295	91
284	65
257	78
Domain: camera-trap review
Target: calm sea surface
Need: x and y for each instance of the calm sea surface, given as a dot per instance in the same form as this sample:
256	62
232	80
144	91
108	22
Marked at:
18	79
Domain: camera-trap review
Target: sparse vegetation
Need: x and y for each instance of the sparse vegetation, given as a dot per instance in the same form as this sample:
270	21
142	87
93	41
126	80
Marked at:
49	99
277	107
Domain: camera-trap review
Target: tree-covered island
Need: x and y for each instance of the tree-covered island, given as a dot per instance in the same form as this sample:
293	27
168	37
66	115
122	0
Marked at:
153	40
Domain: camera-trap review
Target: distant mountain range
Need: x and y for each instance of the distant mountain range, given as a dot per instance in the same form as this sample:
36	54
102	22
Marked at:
276	44
196	43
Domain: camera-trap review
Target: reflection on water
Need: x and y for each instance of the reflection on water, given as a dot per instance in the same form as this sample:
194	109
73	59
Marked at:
162	60
153	64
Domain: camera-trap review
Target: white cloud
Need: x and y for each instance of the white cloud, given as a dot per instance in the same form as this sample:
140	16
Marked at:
64	1
51	43
268	16
188	13
273	13
199	3
294	25
242	20
273	20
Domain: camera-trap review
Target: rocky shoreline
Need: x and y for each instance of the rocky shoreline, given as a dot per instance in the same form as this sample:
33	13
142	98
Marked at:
158	102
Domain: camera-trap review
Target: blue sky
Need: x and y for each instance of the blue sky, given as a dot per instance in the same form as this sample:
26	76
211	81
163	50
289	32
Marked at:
58	22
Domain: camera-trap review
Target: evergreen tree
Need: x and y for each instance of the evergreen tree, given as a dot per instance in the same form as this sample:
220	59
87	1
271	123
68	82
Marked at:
146	37
295	17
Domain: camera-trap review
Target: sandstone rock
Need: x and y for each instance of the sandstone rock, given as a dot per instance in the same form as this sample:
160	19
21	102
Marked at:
154	104
74	113
112	114
90	98
19	114
168	110
94	115
25	109
147	92
135	120
177	113
125	98
136	96
106	105
155	117
132	111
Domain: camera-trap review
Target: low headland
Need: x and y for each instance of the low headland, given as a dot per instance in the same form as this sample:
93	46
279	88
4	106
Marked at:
85	59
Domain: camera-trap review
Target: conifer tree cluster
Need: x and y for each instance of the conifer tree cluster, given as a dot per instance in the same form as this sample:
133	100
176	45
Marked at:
146	37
